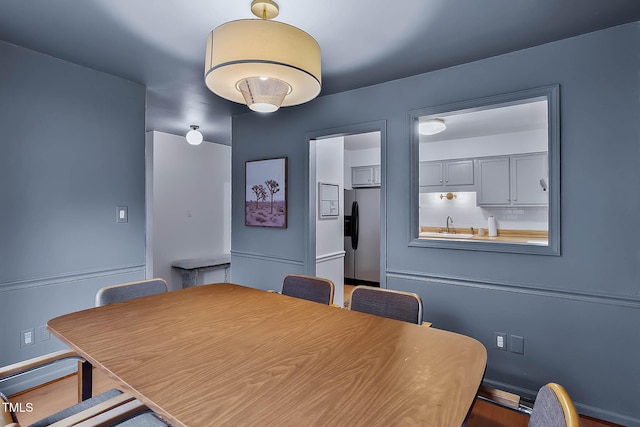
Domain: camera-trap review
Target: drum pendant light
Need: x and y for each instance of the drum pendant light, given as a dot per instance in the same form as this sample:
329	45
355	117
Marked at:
262	63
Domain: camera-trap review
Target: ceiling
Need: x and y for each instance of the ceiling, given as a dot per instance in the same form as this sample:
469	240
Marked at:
362	141
491	120
160	44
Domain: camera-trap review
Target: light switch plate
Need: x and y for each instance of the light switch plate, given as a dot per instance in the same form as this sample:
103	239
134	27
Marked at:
122	214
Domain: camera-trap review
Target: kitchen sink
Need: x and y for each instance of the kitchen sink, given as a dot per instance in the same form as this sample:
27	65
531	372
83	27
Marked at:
445	235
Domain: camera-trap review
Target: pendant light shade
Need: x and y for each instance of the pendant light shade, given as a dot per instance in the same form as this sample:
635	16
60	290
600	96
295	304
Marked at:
265	64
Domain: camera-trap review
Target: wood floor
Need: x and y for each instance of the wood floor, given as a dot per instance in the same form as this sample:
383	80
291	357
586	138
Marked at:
347	294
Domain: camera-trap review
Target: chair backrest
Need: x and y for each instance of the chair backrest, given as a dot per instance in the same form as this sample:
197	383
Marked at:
311	288
7	417
131	290
398	305
553	407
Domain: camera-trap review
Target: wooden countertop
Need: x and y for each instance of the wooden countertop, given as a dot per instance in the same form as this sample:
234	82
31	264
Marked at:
504	235
225	354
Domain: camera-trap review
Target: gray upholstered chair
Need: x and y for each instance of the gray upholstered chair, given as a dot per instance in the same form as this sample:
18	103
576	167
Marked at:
398	305
112	407
553	408
311	288
127	291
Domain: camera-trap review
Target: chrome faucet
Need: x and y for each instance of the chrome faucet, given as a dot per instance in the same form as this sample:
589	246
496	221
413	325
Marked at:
449	219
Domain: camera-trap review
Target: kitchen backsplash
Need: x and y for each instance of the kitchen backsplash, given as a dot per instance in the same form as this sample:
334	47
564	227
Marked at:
465	213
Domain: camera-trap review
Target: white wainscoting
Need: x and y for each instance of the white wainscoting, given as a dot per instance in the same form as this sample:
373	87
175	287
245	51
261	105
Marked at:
331	266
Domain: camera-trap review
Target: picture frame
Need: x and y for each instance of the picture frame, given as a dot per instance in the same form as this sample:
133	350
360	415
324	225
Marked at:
266	193
328	200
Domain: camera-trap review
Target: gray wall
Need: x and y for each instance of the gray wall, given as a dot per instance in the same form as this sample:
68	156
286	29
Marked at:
578	312
71	150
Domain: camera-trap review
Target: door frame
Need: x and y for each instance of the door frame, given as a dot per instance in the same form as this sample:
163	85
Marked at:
310	218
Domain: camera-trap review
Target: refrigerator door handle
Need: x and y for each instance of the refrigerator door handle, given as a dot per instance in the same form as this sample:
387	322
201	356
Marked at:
354	225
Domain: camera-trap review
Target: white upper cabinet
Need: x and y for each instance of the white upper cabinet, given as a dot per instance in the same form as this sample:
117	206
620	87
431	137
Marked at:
365	176
493	181
513	180
458	172
431	174
377	179
529	176
446	173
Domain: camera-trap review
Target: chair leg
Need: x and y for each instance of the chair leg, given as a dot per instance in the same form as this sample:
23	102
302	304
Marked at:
85	380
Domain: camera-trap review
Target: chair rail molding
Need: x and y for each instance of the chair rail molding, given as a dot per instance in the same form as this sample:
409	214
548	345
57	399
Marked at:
330	256
617	300
71	277
269	258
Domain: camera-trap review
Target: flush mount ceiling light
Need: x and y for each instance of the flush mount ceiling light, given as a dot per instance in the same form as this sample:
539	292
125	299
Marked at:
431	126
194	137
262	63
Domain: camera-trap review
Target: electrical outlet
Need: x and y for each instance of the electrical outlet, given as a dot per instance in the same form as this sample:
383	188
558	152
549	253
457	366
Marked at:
500	340
27	337
516	344
43	334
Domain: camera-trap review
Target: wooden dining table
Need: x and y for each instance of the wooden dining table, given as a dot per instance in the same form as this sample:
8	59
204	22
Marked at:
229	355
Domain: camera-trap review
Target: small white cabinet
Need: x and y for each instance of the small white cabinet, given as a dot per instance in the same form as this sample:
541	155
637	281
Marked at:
438	175
431	174
458	172
529	179
365	176
493	181
512	180
376	175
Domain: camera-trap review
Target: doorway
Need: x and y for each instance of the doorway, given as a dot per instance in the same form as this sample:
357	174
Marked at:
362	209
340	157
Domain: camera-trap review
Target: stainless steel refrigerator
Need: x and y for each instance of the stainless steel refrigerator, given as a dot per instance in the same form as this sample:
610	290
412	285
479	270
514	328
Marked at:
362	236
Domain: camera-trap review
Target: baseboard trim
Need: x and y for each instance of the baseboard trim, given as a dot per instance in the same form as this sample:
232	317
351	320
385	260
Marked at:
39	378
583	410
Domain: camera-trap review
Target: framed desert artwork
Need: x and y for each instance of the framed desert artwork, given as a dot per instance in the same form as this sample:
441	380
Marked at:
266	193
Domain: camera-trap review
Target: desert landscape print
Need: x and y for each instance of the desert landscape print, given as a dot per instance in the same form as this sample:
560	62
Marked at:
265	194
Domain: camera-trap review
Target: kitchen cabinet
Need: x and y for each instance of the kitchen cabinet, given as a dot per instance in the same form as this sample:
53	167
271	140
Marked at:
446	174
512	180
529	176
493	181
365	176
431	174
